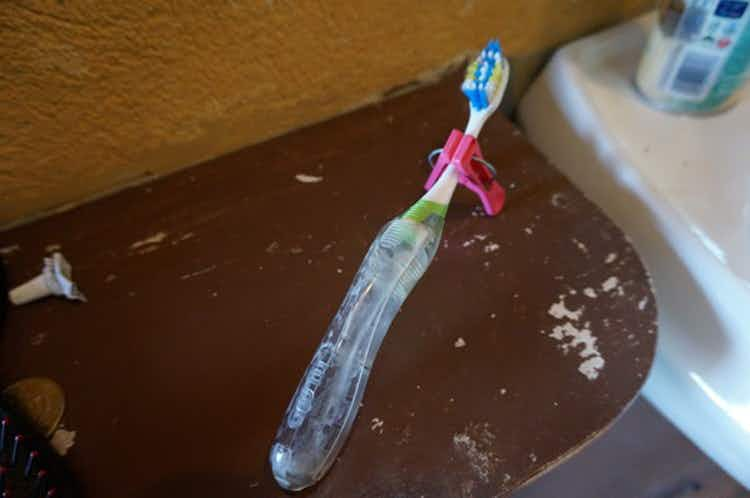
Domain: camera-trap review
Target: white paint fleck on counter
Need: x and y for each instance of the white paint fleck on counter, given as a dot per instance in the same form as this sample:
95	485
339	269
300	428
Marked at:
560	311
460	343
580	245
610	284
478	211
303	178
491	247
198	273
611	257
376	425
572	337
589	292
156	238
474	444
591	367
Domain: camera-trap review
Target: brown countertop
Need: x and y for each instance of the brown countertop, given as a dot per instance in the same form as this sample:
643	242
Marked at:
210	289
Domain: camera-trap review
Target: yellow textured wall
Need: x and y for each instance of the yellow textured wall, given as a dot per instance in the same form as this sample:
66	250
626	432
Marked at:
98	93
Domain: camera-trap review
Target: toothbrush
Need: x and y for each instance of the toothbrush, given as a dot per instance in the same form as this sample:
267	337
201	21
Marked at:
322	410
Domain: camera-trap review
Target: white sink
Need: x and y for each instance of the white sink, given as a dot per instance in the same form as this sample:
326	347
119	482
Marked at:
680	188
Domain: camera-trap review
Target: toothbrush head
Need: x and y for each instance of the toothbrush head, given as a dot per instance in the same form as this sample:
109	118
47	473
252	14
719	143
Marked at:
487	78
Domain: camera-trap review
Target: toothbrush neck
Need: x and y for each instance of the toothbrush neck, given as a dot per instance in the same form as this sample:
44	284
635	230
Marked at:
475	124
442	191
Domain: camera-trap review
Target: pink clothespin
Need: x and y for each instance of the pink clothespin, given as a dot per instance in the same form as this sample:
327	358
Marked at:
464	153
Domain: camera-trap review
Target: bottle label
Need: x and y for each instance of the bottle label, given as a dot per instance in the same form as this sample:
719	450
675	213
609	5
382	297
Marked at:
709	30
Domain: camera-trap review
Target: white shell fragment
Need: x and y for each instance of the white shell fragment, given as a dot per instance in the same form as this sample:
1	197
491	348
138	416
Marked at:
55	279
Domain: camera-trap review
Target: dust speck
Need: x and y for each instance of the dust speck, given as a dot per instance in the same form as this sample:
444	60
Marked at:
459	343
558	200
8	250
52	247
582	339
110	278
611	257
38	338
272	247
62	441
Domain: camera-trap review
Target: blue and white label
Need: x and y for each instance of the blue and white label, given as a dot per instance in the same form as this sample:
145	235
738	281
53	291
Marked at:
709	30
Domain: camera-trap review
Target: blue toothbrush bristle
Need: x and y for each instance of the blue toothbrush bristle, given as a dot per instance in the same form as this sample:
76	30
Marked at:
482	76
